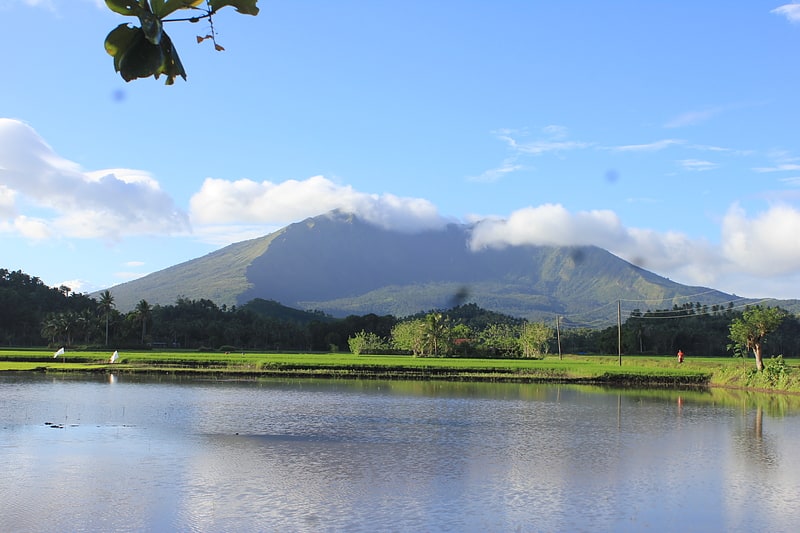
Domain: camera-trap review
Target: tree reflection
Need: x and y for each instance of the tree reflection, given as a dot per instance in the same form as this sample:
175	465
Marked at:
751	441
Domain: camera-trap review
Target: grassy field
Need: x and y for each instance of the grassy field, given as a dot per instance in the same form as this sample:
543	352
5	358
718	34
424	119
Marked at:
781	376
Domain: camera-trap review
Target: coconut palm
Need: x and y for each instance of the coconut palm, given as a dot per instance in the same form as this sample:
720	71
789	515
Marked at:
143	313
106	305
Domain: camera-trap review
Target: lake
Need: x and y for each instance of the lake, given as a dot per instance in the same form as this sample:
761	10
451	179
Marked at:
127	453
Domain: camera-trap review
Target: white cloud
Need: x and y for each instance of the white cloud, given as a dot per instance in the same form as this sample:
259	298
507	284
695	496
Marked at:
691	117
250	202
75	285
649	147
542	147
31	228
555	131
697	165
6	202
551	225
495	174
554	141
766	245
790	11
784	167
85	204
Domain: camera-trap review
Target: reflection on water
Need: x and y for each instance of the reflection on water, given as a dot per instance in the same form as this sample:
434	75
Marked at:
124	454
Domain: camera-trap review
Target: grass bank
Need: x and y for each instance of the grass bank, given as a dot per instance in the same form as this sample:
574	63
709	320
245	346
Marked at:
783	376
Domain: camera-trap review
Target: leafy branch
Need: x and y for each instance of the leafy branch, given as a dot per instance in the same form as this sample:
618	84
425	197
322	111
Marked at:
146	50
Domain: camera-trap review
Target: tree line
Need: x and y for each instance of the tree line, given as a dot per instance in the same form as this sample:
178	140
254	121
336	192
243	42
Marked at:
34	314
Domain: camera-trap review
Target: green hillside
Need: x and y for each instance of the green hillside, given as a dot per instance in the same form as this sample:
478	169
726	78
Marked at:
219	276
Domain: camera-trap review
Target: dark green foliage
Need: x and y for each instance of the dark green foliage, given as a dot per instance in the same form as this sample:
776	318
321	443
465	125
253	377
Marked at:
135	56
693	328
146	50
263	325
25	301
273	309
33	314
475	317
748	332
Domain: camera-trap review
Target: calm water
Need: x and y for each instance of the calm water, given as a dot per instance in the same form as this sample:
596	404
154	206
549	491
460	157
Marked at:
125	454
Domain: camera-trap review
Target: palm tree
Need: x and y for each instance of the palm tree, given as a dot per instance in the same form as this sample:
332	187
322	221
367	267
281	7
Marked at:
437	333
106	305
50	328
143	312
66	323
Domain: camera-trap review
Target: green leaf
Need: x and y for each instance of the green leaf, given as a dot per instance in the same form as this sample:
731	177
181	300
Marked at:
246	7
172	66
124	7
163	8
142	59
151	26
119	41
136	57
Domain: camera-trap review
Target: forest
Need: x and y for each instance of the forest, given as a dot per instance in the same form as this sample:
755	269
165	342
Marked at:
33	314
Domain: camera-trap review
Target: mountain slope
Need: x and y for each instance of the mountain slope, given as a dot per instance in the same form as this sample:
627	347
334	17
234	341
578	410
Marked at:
341	265
219	276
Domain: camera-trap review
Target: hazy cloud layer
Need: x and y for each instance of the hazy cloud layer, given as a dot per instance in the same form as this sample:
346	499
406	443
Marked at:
763	246
61	199
246	201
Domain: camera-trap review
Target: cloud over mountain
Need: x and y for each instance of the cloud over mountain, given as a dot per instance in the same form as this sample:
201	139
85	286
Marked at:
764	246
246	201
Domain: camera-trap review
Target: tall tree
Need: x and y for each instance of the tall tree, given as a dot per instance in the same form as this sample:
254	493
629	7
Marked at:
410	335
748	332
50	328
365	342
143	312
501	340
106	305
437	334
534	338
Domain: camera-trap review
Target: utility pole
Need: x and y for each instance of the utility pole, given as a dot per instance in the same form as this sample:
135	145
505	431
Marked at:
558	336
619	331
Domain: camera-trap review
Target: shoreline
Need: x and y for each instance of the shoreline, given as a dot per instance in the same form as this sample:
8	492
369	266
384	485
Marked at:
618	379
656	372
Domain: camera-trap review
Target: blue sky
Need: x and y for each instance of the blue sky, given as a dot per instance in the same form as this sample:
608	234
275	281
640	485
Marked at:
665	132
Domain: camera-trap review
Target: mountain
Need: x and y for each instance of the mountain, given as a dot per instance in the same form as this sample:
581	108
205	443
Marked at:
341	265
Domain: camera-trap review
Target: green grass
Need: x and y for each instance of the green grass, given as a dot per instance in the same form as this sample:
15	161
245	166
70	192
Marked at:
635	370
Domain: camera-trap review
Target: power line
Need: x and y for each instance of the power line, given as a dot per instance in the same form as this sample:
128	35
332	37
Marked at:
679	297
590	318
671	314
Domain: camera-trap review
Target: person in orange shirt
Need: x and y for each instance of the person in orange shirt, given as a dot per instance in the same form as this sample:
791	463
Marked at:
680	356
